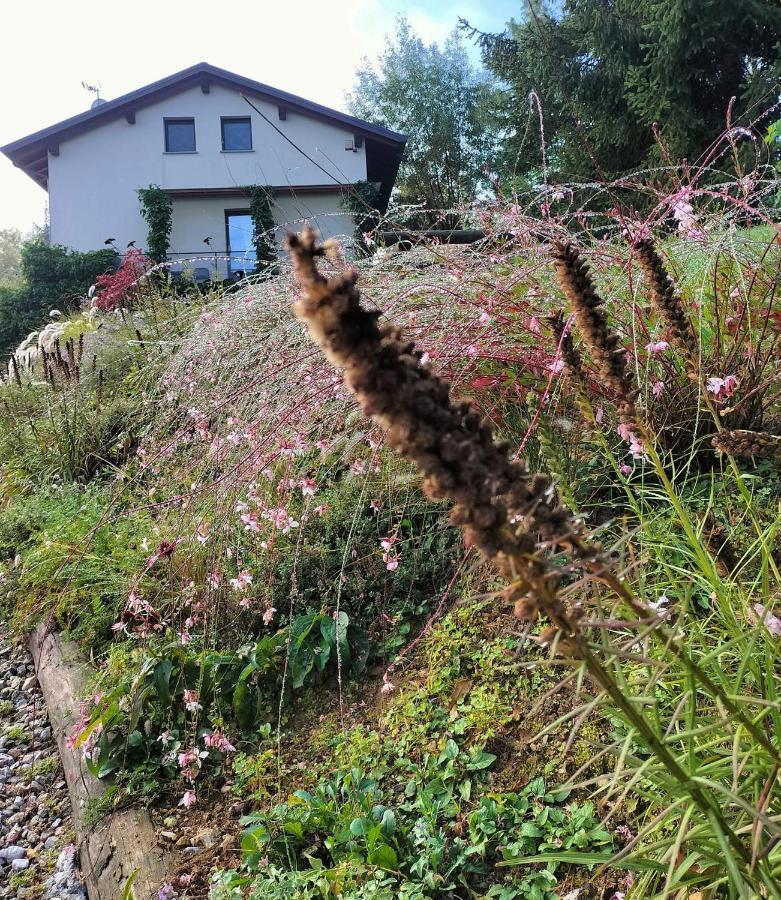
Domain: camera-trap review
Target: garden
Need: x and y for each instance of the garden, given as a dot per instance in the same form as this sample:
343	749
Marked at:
493	615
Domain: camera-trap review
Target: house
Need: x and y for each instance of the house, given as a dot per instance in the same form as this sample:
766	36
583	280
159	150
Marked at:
203	135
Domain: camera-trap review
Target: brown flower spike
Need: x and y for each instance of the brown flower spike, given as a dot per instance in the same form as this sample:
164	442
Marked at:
602	342
502	508
740	442
665	300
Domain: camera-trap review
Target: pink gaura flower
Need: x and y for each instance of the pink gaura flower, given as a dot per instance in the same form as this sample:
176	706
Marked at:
359	466
374	506
636	447
484	318
191	703
218	741
202	534
268	615
657	389
768	619
320	510
250	522
556	366
184	638
214	579
242	581
78	727
308	487
722	387
391	561
281	519
389	556
657	346
626	470
188	799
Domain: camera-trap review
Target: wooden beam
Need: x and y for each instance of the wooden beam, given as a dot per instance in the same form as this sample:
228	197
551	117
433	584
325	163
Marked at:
54	149
123	845
282	110
358	141
130	115
205	87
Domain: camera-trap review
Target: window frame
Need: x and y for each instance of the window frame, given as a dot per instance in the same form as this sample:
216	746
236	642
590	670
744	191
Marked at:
240	211
178	120
231	119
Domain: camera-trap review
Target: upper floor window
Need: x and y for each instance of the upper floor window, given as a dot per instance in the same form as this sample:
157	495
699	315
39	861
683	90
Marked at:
236	133
179	135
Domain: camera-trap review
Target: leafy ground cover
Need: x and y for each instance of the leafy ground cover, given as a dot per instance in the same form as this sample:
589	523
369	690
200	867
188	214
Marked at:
282	624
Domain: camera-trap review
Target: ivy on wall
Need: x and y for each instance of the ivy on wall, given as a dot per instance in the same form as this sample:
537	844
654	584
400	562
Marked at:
260	200
360	200
157	210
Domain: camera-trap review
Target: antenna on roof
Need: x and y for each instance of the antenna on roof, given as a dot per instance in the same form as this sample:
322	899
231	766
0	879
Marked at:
94	89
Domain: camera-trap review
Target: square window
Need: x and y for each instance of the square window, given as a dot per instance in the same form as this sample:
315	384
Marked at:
236	133
179	135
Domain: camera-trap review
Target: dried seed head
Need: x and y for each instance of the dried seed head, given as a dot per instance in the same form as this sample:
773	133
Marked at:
666	301
601	340
748	443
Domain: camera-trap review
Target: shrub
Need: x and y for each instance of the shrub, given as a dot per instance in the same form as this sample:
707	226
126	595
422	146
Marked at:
157	211
53	277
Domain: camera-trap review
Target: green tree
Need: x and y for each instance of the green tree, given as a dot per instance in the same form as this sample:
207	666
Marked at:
10	252
52	277
606	71
443	104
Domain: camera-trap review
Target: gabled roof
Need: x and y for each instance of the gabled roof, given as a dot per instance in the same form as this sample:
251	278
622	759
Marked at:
31	153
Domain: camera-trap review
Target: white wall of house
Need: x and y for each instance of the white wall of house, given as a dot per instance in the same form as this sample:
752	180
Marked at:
195	218
94	178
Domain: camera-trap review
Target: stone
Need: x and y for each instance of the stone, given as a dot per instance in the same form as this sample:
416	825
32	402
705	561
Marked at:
50	842
12	852
29	683
207	838
18	865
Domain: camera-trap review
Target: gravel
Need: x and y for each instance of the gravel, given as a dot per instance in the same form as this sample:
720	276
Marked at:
35	826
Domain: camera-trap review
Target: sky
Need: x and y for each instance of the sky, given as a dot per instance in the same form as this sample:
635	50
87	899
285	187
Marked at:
306	47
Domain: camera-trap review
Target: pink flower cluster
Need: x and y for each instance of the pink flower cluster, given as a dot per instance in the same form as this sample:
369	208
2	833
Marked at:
636	447
389	556
722	388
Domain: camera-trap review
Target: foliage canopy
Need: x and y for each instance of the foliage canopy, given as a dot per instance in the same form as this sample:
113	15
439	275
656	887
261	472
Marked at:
443	104
607	72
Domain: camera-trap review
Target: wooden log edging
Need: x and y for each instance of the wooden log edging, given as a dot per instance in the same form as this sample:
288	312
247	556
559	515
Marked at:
123	845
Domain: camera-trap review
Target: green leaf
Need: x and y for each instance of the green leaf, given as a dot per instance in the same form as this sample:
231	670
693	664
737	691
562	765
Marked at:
388	823
360	827
451	749
384	856
162	680
127	891
358	640
481	760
